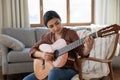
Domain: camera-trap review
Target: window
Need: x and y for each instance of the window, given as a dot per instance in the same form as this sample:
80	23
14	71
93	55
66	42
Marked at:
80	11
34	11
59	8
72	12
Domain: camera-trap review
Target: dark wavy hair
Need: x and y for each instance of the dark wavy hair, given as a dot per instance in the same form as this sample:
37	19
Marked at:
50	15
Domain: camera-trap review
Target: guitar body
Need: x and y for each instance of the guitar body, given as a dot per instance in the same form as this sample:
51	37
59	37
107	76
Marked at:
41	72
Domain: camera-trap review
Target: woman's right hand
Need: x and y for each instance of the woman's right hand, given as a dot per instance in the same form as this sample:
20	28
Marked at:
47	56
44	55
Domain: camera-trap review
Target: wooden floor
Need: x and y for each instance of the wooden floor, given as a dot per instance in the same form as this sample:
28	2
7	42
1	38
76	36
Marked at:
20	76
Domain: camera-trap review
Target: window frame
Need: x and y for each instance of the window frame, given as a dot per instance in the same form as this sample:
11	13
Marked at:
67	17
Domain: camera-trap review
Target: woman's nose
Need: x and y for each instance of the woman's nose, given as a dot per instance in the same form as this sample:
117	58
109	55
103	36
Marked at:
55	27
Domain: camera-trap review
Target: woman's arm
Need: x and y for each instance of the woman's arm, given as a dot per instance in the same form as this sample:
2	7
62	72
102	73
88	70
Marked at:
34	51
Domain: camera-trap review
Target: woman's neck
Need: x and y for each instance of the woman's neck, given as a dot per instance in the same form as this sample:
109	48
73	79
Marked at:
58	35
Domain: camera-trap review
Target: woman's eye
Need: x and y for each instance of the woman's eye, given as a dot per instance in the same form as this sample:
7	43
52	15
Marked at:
57	23
50	26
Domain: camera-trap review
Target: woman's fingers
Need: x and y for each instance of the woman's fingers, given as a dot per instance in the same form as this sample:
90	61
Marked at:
48	56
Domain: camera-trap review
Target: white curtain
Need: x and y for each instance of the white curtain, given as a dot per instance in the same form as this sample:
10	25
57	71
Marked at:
107	12
14	13
0	15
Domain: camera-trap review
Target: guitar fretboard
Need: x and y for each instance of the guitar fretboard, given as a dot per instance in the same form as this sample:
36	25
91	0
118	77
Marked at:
74	45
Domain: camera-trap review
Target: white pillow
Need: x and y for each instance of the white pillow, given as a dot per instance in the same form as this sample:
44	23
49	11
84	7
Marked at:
11	42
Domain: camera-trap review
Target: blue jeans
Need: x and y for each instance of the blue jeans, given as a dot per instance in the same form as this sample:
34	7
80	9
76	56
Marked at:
30	77
55	74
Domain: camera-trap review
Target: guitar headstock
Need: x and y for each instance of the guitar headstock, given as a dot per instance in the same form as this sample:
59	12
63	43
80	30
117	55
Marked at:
109	30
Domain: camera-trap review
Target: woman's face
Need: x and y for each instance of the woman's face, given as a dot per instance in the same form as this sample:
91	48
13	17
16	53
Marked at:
55	26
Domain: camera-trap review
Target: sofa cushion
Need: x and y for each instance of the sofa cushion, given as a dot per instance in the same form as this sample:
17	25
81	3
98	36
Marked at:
25	35
19	56
11	42
40	32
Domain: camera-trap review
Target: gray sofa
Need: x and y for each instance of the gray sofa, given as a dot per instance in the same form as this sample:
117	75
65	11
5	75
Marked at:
15	51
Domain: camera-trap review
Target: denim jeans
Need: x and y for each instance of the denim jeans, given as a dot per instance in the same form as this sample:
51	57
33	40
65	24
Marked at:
55	74
30	77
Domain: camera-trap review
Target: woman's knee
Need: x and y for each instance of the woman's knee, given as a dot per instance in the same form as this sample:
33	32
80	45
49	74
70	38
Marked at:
30	77
54	71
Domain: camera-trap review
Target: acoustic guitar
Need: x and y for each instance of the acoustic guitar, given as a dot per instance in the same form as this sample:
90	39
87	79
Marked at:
60	49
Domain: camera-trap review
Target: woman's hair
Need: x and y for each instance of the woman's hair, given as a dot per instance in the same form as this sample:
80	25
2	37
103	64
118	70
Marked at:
50	15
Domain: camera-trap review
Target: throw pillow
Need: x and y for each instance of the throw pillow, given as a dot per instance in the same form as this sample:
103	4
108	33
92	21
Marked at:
11	42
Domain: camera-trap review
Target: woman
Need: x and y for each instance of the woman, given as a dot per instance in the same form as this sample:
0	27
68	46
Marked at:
64	69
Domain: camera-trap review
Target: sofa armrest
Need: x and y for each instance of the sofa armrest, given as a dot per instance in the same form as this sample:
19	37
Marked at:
4	52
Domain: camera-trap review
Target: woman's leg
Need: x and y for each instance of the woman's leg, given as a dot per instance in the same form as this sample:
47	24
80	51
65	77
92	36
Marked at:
61	74
30	77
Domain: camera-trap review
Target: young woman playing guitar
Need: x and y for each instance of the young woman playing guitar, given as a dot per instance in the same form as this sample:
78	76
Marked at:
63	67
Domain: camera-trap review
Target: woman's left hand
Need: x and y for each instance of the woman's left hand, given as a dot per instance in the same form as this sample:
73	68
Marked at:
89	41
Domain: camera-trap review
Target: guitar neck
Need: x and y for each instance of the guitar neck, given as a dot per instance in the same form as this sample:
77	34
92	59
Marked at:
74	45
109	30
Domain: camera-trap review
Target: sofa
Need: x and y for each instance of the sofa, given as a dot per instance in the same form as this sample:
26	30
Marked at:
15	44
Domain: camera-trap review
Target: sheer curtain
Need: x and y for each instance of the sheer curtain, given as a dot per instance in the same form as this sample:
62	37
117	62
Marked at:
0	15
107	12
14	13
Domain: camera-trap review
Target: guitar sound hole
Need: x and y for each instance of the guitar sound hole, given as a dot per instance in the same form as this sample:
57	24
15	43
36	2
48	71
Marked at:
56	54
